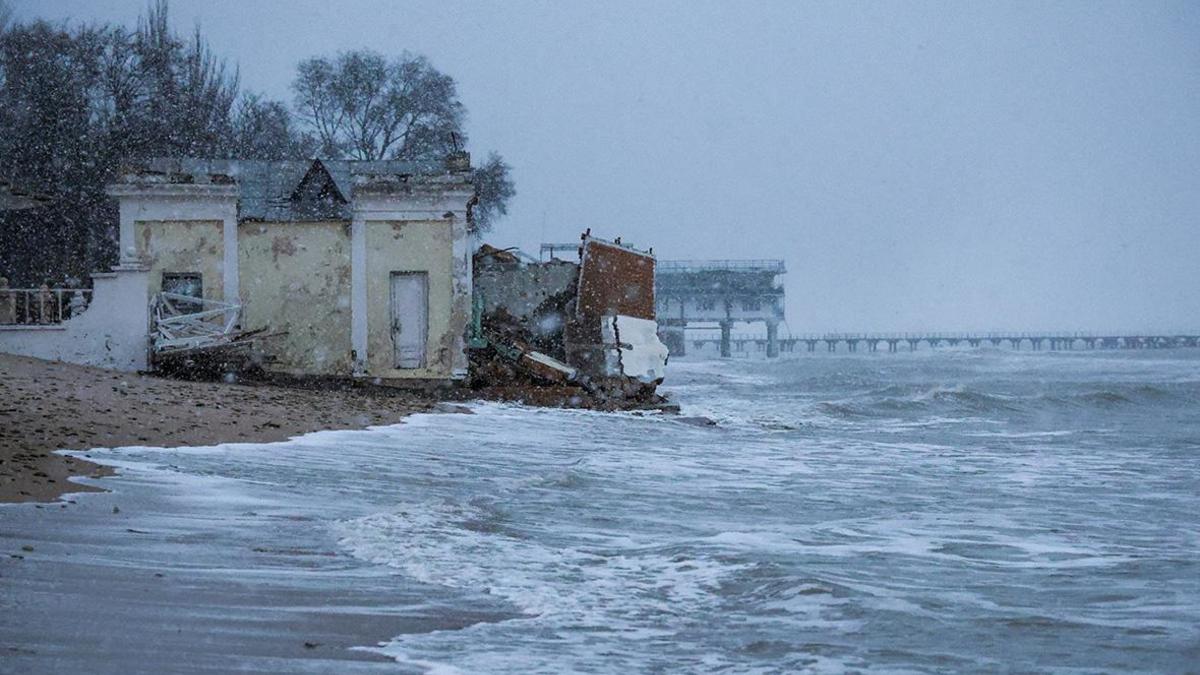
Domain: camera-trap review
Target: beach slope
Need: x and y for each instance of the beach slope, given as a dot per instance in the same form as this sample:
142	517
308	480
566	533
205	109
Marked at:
47	406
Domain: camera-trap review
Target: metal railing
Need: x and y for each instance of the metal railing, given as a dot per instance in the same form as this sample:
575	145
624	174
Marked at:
762	265
42	306
552	249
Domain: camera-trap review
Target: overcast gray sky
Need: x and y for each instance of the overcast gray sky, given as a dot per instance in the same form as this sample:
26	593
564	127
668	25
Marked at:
956	165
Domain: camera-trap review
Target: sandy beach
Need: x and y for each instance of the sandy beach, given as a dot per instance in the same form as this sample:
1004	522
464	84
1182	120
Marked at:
47	406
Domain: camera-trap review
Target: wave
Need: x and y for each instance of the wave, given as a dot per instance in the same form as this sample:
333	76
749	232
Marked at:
897	401
474	546
906	401
1120	395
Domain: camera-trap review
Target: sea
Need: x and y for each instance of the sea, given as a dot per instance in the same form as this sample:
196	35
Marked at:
937	511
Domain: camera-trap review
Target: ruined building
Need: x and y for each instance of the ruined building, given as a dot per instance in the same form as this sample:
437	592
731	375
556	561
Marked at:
333	268
357	268
347	269
588	322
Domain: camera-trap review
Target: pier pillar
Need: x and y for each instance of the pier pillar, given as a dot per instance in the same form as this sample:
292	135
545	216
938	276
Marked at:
772	339
726	333
675	338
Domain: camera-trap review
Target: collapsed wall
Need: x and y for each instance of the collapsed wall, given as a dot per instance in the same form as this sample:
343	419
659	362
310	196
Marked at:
586	325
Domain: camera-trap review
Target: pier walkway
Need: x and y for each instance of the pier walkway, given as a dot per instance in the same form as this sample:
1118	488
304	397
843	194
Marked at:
894	342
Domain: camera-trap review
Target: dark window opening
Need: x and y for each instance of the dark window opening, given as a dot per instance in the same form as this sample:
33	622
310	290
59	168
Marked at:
191	285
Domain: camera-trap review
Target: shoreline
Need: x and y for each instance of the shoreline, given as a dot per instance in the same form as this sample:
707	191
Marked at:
46	406
168	569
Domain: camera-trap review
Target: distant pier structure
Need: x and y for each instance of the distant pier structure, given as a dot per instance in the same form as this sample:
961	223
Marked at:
894	342
721	292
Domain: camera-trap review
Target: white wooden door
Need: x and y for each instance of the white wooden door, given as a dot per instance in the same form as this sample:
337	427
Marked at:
410	318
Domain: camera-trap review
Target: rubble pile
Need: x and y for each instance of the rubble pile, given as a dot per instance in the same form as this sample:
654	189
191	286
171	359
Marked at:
582	332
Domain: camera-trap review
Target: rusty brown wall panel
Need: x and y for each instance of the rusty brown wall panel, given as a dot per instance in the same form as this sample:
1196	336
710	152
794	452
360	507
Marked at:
614	280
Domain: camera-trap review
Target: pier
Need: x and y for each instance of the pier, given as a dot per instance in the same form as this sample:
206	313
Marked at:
723	292
895	342
693	295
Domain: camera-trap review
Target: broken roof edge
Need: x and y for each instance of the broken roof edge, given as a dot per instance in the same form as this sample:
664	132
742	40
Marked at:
268	191
511	256
382	184
164	189
190	169
194	170
587	237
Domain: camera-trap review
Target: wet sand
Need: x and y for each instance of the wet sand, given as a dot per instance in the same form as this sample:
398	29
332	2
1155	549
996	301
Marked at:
47	406
165	574
133	580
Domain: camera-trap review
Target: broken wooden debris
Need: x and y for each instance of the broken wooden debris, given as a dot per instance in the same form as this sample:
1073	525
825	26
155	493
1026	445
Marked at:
559	322
200	336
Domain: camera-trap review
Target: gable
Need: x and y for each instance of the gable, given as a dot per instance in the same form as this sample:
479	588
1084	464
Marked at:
317	195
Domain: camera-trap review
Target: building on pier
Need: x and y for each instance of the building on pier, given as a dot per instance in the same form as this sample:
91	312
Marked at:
723	292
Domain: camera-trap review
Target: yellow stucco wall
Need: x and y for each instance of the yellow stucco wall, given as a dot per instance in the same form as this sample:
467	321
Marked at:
184	247
295	277
409	246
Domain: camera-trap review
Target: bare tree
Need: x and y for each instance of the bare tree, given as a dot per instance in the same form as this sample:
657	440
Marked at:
317	105
5	17
186	93
494	188
363	106
79	102
264	129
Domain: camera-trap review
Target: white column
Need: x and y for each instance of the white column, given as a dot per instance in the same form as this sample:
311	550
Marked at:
462	287
358	293
131	210
230	262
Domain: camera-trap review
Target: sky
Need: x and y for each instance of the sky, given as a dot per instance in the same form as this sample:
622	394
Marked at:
918	165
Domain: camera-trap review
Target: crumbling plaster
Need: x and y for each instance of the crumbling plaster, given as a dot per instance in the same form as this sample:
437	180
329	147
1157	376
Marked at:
296	276
189	246
418	229
177	205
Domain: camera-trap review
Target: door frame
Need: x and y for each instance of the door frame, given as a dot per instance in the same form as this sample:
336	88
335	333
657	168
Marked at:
423	275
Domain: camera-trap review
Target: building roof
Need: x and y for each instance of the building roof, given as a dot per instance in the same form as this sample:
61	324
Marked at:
288	189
